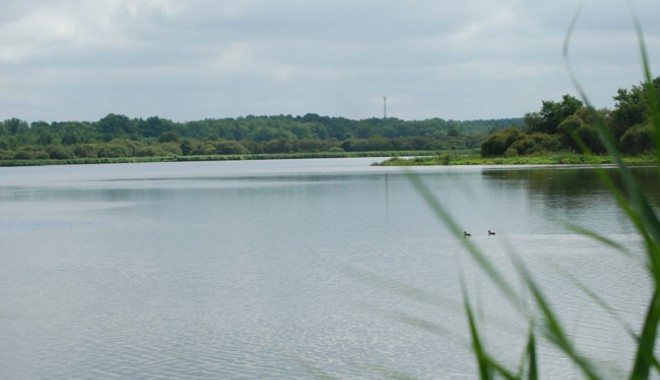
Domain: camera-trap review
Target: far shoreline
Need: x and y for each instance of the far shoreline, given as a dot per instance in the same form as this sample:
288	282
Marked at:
449	159
402	158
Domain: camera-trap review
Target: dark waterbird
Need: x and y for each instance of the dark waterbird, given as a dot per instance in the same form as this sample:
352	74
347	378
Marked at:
465	234
490	233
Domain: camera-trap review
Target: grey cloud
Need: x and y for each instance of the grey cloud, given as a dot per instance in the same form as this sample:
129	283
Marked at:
203	58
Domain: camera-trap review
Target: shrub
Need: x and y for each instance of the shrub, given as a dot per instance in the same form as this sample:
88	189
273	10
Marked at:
589	135
23	155
230	147
170	149
160	150
85	151
6	155
567	128
637	140
56	152
169	136
498	143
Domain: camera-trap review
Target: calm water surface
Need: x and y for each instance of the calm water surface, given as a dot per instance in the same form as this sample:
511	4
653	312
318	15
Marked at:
297	269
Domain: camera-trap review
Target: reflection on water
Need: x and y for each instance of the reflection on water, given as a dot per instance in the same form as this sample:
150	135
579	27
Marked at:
577	194
291	269
570	183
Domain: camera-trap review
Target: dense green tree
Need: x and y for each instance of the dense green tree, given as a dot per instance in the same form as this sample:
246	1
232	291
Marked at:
632	108
535	143
588	134
186	147
552	114
154	126
637	139
570	120
117	135
268	133
567	130
113	126
532	122
47	138
78	132
497	143
16	127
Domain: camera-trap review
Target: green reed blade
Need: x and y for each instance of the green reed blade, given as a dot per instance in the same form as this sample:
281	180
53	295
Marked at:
598	237
553	329
485	371
491	271
488	366
638	209
650	89
532	373
644	358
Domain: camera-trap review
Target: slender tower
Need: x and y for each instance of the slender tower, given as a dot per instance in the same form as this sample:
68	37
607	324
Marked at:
384	107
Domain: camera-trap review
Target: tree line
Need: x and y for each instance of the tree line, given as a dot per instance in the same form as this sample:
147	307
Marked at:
560	124
120	136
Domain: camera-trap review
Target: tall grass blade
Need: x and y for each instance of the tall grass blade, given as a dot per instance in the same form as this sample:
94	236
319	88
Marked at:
553	329
604	305
402	289
491	271
423	324
638	209
482	362
488	366
622	201
598	237
533	372
644	358
649	87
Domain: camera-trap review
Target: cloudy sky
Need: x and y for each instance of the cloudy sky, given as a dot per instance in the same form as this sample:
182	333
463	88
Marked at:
195	59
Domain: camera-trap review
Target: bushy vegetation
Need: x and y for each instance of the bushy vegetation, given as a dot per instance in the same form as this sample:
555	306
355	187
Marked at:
564	125
118	136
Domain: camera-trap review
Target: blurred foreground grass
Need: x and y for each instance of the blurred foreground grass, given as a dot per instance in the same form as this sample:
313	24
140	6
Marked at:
544	323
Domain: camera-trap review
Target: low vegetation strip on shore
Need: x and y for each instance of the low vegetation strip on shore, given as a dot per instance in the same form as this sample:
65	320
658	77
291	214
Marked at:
549	159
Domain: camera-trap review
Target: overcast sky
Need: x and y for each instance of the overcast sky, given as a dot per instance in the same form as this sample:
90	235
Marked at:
194	59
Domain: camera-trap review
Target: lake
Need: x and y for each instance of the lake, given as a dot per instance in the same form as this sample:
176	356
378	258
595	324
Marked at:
300	269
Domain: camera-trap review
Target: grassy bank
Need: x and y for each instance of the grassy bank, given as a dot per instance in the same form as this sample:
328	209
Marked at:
234	157
548	159
415	158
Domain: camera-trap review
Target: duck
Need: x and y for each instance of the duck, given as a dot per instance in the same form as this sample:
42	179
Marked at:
465	234
490	233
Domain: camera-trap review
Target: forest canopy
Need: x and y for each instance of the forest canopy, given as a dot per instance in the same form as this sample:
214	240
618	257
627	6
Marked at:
555	127
560	124
120	136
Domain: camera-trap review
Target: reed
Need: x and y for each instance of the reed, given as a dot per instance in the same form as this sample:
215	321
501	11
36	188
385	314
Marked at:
543	321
